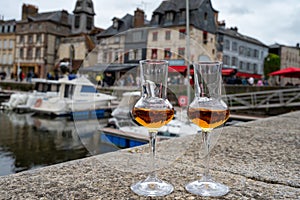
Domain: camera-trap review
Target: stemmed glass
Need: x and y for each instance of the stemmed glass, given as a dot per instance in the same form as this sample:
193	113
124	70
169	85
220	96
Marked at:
208	111
153	110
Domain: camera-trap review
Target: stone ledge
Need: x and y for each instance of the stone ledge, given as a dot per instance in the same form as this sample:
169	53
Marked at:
257	160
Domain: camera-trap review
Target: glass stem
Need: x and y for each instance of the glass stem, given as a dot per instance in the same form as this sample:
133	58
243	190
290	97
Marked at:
152	143
206	142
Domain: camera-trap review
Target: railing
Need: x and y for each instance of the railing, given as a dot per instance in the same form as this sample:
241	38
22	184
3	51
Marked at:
264	99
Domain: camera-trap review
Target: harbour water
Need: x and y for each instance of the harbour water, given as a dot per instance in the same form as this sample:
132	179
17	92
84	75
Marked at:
28	141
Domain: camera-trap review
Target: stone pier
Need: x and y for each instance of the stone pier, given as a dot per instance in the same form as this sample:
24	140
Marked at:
257	160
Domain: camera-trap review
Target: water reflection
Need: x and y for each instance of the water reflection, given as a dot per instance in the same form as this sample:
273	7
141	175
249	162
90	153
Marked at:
28	141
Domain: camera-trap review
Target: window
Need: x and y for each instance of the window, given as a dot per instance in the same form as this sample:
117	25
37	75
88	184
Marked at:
77	21
21	53
88	89
156	19
182	33
89	23
4	59
241	50
168	35
181	52
10	59
226	60
105	57
205	38
38	38
227	44
115	23
137	36
154	54
116	39
89	4
167	53
234	61
78	4
205	16
241	65
11	44
30	39
234	46
22	39
0	44
154	36
5	45
248	66
255	53
29	53
169	17
37	52
135	54
182	16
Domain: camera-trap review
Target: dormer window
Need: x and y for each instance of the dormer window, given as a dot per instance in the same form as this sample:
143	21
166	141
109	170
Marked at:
115	23
156	19
182	16
89	4
78	4
169	17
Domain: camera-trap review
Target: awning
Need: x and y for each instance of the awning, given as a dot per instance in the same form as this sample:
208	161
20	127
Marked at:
291	72
248	75
108	67
180	68
227	72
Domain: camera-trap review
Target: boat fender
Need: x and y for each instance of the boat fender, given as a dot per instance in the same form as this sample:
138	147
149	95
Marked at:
38	103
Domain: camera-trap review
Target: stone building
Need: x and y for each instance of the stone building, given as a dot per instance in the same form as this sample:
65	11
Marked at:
7	46
289	57
240	52
77	48
38	37
167	38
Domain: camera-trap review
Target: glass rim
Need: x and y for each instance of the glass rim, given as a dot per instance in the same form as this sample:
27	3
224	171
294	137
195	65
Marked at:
208	63
154	61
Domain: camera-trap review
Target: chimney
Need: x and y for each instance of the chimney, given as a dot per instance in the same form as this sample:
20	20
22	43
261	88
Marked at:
29	10
234	29
297	45
222	24
139	18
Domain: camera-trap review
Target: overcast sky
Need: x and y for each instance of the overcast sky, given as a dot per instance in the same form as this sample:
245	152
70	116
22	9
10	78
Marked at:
269	21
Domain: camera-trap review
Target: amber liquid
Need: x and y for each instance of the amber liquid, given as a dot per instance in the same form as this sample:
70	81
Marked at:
208	119
152	118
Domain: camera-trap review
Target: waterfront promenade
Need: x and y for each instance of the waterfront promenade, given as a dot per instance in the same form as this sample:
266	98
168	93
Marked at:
257	160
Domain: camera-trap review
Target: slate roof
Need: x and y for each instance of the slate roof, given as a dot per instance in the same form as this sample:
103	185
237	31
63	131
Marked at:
235	34
125	23
197	8
54	16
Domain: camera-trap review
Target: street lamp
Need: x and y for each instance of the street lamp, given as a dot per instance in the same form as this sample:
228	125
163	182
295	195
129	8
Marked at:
188	48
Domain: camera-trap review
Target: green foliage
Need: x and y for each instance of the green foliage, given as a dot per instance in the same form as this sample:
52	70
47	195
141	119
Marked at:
272	63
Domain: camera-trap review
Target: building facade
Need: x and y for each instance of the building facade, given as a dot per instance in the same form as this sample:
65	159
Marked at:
38	37
7	46
167	38
240	52
289	55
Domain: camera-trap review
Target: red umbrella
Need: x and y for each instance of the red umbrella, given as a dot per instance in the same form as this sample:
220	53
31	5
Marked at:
291	72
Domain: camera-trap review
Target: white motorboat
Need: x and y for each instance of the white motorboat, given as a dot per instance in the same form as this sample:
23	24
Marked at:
77	97
23	101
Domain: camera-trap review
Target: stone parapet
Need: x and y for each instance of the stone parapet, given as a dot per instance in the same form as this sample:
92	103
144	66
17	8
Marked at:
257	160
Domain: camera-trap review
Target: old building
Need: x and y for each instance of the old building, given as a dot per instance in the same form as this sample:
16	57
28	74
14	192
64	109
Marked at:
38	37
289	55
241	52
7	47
77	48
167	38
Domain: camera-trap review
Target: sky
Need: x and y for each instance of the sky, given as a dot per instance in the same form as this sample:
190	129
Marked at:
269	21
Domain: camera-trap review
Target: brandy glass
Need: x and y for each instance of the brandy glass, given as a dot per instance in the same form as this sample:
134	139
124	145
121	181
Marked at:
153	110
208	111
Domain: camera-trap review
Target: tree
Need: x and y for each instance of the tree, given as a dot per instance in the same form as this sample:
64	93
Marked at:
272	63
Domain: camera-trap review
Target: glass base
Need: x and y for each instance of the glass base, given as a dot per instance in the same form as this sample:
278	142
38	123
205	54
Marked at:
153	187
207	188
